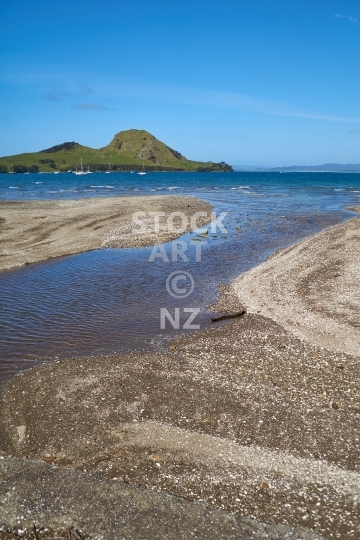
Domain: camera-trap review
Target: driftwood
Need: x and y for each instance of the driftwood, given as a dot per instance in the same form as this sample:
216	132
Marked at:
229	316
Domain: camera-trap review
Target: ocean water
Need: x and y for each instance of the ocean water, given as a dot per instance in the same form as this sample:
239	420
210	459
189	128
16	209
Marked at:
110	300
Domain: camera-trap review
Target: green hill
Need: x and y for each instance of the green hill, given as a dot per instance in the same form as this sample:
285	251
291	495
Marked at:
128	150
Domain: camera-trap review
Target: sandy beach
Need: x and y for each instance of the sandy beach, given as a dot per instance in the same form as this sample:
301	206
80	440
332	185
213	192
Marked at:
312	289
33	231
253	423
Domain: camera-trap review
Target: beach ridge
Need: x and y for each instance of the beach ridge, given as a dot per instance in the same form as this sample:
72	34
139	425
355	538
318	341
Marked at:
34	231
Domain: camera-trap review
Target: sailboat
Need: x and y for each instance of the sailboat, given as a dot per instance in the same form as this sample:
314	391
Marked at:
143	171
27	172
109	171
12	170
81	169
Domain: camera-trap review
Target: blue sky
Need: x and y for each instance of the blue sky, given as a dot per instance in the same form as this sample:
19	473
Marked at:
248	82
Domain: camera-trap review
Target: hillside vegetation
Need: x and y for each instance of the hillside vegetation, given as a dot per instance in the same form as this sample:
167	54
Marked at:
128	150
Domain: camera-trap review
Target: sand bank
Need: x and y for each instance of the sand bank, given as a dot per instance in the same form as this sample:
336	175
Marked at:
252	418
33	231
312	288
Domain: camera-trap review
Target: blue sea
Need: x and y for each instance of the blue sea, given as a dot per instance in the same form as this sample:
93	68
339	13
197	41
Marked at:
110	300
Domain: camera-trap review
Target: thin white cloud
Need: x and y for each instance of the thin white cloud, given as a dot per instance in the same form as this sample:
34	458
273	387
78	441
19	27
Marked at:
217	99
174	95
327	118
350	19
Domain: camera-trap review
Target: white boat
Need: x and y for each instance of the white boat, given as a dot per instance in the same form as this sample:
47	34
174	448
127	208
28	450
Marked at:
12	171
56	172
27	172
143	171
81	169
109	171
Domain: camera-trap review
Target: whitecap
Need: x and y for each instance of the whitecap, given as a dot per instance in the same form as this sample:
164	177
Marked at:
13	187
97	186
110	187
38	182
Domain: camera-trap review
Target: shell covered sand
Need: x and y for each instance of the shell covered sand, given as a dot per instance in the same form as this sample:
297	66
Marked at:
251	418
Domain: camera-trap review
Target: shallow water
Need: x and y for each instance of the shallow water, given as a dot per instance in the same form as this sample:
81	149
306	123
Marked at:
110	300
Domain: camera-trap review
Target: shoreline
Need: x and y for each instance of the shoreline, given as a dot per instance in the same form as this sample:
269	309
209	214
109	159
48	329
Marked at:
34	231
265	407
310	289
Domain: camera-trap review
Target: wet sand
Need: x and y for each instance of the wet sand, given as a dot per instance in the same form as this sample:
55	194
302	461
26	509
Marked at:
257	418
33	231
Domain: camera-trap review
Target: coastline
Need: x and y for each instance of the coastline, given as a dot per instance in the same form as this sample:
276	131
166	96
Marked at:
34	231
266	406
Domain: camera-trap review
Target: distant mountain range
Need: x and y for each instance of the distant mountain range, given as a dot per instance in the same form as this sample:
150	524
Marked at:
129	150
327	167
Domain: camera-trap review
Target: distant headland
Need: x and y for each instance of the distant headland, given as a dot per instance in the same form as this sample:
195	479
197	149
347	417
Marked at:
129	150
326	167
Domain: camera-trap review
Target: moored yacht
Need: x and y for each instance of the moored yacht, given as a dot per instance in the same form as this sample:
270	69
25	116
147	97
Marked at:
81	169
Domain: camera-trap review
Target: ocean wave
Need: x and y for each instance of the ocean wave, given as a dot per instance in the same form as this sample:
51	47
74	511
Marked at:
97	186
13	187
38	182
110	187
